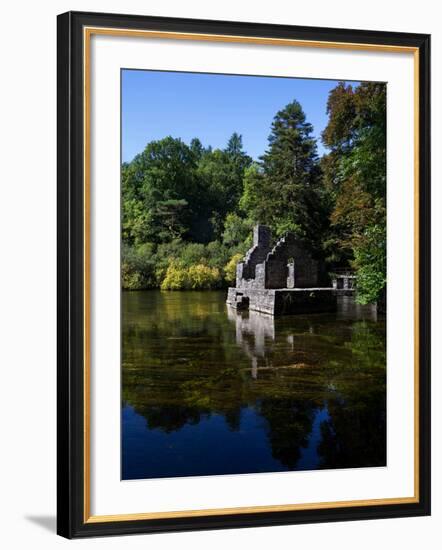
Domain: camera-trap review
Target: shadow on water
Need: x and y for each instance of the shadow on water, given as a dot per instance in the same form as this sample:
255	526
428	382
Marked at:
208	390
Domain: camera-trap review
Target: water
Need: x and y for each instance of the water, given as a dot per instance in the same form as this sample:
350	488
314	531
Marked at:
207	390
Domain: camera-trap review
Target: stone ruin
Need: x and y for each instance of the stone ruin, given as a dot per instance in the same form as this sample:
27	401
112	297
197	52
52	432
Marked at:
279	279
286	265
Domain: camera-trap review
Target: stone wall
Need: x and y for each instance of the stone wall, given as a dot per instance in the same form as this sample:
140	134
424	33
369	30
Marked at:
257	254
283	301
287	265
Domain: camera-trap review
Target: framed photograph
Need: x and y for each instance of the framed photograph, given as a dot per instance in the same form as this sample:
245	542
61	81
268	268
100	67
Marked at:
243	274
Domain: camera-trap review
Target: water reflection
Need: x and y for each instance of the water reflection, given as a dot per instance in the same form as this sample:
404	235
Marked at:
209	390
350	310
252	331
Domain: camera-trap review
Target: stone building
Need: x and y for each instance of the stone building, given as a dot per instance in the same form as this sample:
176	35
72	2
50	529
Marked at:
344	281
280	279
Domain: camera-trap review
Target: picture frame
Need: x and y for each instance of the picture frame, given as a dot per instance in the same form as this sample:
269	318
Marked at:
75	516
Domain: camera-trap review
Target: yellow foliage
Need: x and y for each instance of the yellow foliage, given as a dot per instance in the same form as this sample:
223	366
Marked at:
230	268
196	277
175	279
202	276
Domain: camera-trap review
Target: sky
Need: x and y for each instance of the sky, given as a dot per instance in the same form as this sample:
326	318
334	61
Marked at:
211	107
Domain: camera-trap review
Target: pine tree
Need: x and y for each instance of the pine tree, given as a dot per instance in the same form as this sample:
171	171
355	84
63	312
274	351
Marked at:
284	191
292	157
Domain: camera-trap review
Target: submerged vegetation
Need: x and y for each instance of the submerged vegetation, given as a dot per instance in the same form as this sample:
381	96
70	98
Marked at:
249	391
188	210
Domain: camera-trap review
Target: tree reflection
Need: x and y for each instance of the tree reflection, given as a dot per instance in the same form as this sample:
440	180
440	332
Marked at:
289	426
355	435
186	359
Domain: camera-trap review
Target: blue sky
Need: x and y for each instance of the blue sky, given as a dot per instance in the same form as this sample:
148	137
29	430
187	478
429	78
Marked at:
211	107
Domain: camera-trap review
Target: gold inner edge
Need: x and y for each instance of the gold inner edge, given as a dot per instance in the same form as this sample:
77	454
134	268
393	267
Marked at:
88	32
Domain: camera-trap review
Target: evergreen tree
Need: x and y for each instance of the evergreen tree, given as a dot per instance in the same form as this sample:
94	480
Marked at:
234	147
292	158
284	190
195	206
197	148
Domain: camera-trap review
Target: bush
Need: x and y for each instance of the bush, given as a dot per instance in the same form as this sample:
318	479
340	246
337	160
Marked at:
195	277
176	278
138	267
217	255
203	277
237	230
131	280
191	253
230	269
178	265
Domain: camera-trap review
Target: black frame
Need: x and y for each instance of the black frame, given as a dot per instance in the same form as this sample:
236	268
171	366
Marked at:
70	266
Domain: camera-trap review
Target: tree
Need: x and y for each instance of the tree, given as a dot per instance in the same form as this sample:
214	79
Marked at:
255	198
197	148
238	162
284	190
355	176
222	172
340	130
162	197
292	154
235	146
168	219
237	231
177	199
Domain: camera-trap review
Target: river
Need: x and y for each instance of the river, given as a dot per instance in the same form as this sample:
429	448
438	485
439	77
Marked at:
207	390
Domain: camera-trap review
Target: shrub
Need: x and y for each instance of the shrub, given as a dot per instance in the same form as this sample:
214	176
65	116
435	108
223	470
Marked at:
178	265
138	267
230	269
237	230
217	254
195	277
191	253
131	280
203	277
176	278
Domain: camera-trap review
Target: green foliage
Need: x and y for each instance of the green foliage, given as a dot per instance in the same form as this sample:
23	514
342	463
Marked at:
191	253
341	109
237	231
159	192
182	203
222	172
284	189
172	190
215	254
254	196
171	265
188	210
292	154
370	260
137	267
355	179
